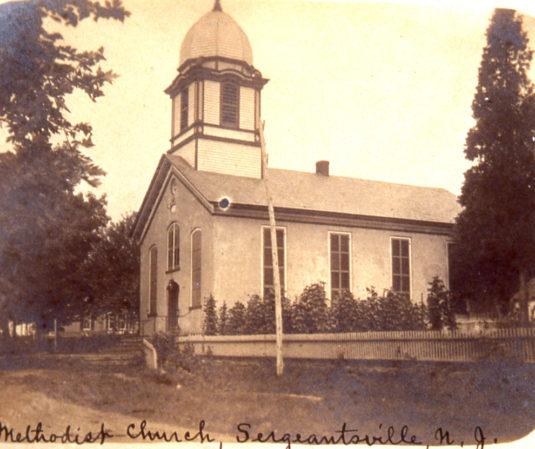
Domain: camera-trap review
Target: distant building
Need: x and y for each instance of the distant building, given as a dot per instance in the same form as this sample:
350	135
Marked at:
118	323
203	224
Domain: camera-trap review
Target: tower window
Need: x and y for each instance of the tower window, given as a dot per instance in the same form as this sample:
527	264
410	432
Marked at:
184	102
229	105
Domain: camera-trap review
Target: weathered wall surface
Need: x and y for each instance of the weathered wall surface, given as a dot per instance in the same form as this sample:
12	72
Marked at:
239	259
190	215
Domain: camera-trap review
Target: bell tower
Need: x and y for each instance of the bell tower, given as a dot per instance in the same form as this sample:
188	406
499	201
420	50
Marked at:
216	99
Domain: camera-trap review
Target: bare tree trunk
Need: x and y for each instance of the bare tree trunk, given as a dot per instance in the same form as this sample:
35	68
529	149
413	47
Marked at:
524	299
275	256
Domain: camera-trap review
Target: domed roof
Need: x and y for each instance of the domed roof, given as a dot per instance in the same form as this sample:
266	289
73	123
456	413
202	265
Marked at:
216	34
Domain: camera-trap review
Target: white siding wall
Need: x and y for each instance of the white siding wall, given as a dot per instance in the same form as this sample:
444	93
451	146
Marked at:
188	152
247	95
183	137
176	115
211	102
229	158
229	133
191	106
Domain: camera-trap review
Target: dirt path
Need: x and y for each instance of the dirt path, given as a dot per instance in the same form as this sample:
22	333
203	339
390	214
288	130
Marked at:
111	387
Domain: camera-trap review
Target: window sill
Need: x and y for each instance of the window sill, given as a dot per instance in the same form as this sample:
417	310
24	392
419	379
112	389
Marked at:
194	307
172	270
151	315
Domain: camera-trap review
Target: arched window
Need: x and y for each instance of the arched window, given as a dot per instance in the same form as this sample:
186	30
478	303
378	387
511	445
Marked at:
153	279
196	269
173	247
230	101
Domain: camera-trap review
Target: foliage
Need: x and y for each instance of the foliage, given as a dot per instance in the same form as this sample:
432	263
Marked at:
495	227
440	306
172	357
113	269
256	321
38	70
390	312
210	317
222	320
164	345
345	312
47	227
182	358
310	313
46	233
236	320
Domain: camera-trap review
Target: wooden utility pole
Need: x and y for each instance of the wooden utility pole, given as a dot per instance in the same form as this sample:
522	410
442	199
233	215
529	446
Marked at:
275	255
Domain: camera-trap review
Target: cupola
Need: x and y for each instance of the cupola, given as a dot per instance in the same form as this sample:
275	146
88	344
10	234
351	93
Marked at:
216	98
216	34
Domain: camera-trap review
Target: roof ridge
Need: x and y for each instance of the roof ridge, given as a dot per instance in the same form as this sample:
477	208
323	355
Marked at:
361	179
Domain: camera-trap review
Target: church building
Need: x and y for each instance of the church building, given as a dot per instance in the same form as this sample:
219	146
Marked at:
203	226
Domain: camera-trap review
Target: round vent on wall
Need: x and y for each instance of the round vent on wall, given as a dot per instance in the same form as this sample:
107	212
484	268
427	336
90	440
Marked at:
224	203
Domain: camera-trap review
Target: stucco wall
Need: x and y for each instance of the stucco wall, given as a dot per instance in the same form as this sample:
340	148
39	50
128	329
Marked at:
237	253
232	258
190	215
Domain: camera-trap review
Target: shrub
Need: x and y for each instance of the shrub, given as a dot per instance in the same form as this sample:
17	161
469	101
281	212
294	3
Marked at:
310	313
236	319
260	315
390	312
164	345
345	311
440	306
210	317
255	316
223	320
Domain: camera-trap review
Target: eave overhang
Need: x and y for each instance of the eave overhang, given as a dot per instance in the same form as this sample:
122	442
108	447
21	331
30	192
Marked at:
195	70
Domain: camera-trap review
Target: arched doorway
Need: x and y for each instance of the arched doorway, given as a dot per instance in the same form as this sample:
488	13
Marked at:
173	290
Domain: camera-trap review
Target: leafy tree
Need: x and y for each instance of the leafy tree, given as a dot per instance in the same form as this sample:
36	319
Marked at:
38	70
46	233
495	227
47	227
113	269
210	317
440	306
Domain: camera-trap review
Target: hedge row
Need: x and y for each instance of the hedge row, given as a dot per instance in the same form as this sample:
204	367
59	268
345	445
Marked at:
311	313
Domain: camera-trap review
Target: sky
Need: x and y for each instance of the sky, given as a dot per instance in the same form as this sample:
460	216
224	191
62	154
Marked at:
381	90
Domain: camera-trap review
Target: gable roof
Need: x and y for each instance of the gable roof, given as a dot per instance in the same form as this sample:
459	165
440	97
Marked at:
314	193
310	191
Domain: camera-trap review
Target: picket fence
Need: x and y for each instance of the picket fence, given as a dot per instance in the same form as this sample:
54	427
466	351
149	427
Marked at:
516	344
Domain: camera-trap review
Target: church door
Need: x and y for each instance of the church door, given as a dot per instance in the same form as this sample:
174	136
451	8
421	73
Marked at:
172	306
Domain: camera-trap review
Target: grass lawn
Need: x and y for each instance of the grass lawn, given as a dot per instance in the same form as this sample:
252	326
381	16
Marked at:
311	397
